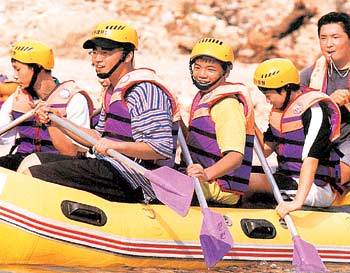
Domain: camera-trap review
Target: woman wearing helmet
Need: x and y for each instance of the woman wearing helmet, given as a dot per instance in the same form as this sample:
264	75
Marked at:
301	130
32	62
138	118
221	126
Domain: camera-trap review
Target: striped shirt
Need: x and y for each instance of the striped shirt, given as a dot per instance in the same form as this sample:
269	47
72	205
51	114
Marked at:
151	122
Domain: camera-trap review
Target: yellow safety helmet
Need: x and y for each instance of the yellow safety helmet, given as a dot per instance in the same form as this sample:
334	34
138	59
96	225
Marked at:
275	73
213	48
33	52
106	33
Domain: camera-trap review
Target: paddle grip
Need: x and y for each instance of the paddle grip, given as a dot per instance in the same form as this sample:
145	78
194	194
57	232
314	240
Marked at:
197	187
118	156
272	181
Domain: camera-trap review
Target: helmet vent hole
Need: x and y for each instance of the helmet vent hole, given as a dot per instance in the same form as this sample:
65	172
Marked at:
116	27
23	48
210	40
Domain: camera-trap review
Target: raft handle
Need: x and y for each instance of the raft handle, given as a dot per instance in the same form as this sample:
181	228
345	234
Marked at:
83	213
258	228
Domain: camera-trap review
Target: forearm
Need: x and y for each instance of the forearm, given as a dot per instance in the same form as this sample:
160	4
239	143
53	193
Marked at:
62	143
78	139
307	177
228	163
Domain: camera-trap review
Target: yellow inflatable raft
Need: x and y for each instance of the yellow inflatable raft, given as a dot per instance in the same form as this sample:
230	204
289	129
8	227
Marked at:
45	223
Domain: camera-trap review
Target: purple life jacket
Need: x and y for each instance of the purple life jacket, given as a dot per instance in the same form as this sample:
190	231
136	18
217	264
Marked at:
118	120
287	128
33	136
202	140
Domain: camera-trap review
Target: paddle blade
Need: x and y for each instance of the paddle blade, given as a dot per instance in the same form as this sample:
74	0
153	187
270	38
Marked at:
215	238
306	258
172	188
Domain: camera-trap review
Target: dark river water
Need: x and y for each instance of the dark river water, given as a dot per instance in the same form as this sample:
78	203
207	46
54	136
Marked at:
237	267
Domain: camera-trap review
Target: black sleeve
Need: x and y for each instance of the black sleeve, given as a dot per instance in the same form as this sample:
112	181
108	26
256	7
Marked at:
268	135
320	148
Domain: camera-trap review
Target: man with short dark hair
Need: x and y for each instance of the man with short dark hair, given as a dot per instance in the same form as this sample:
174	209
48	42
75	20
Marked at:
138	119
330	74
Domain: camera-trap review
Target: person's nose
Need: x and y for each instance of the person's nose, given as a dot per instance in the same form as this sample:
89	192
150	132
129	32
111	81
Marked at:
329	42
202	74
15	76
268	100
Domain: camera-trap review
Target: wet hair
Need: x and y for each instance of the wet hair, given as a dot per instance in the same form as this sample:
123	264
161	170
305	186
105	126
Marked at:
335	18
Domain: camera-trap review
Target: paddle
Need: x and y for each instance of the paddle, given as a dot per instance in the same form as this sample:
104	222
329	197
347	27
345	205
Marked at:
305	255
177	194
17	121
215	238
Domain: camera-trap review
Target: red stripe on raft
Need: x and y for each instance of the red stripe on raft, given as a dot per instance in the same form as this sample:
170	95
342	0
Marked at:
235	252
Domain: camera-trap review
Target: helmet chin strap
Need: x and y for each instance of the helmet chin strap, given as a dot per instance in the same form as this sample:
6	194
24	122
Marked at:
30	88
204	86
287	100
114	68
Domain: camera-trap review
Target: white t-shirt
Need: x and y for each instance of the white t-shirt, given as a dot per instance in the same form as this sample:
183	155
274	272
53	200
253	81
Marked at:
77	112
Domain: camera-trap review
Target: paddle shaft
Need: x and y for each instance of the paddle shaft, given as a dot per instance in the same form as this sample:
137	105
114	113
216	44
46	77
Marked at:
121	158
197	187
17	121
271	179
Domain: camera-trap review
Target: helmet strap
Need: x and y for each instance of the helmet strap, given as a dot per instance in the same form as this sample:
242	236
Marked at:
36	70
202	86
287	99
114	68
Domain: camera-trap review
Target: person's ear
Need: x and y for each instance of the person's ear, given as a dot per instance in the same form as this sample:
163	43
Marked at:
228	71
129	58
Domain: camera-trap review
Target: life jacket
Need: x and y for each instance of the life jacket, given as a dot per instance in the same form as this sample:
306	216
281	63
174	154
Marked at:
287	127
95	117
319	77
33	136
118	120
202	140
